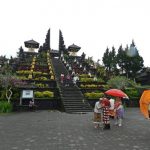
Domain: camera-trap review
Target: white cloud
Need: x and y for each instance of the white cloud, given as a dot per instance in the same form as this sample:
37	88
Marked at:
91	24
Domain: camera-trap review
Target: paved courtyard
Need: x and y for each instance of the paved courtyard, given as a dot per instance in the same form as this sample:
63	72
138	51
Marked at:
53	130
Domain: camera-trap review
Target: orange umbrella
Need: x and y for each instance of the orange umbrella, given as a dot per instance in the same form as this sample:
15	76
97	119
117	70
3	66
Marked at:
144	102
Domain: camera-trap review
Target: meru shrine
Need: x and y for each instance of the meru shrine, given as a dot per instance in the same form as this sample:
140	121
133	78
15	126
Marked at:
41	68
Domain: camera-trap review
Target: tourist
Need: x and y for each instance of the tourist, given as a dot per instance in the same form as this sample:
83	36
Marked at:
97	113
70	69
105	112
95	78
75	79
31	104
67	80
62	78
89	74
73	73
119	111
111	109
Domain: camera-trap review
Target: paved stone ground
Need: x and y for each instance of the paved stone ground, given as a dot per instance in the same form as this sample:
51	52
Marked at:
53	130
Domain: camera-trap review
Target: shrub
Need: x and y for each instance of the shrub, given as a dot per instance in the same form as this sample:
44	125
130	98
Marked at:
106	87
37	73
38	94
44	73
118	82
41	78
2	95
48	94
83	75
91	86
121	82
132	92
86	79
15	95
5	107
93	95
45	94
40	85
100	80
23	72
22	77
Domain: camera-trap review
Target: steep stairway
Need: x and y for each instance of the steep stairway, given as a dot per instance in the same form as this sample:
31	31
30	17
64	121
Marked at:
72	99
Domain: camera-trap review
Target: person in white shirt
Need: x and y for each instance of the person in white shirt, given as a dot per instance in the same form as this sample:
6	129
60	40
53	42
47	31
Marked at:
75	79
111	109
97	113
95	78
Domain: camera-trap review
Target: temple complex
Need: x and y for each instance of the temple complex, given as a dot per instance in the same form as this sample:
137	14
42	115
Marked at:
41	68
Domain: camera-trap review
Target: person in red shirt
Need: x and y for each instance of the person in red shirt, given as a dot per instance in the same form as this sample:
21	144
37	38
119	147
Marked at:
105	110
68	79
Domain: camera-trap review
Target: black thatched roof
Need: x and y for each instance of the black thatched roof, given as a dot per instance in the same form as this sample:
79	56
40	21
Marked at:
31	44
54	53
73	47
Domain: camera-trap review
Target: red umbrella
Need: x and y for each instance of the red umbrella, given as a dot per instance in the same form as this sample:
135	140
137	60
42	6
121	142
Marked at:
116	93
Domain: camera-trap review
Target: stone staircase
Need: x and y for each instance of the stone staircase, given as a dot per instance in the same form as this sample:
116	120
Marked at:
72	99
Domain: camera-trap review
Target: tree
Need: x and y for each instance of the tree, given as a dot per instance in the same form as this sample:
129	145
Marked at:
107	61
118	82
6	68
121	56
8	82
101	73
133	63
129	60
113	63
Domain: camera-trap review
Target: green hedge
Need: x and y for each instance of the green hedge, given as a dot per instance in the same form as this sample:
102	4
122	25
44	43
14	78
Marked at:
93	95
5	107
44	94
132	92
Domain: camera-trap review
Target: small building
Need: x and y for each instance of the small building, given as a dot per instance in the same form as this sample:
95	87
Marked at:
73	49
31	45
143	76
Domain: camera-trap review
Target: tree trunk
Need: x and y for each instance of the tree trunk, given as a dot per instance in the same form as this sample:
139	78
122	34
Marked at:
8	94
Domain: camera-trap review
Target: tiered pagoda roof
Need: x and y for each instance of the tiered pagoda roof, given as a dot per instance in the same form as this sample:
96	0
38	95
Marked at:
31	44
74	48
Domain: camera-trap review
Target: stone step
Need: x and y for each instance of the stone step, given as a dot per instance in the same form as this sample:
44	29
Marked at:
75	103
69	101
70	89
71	96
78	110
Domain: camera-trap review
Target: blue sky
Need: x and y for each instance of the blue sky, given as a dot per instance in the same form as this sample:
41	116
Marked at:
93	25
